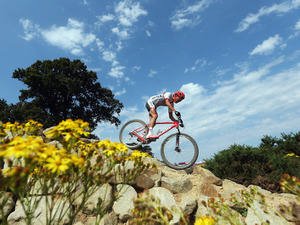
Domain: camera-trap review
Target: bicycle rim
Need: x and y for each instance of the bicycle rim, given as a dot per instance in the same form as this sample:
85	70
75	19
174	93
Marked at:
127	137
181	157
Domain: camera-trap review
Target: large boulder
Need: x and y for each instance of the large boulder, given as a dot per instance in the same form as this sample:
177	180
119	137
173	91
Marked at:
124	205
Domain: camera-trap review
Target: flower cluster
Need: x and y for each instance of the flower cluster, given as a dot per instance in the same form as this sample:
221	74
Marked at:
69	132
291	155
205	220
290	184
32	166
17	129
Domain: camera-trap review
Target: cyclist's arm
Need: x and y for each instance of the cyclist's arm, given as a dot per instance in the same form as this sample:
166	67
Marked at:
170	106
171	117
172	110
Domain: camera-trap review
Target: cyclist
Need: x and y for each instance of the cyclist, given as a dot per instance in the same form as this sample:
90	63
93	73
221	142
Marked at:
165	99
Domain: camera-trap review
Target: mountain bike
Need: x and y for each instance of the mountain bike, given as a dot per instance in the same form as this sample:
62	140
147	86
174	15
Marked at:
178	151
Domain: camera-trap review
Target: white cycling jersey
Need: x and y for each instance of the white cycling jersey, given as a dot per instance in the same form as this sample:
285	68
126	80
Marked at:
160	100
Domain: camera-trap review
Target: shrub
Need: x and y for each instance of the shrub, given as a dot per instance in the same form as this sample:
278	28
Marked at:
262	166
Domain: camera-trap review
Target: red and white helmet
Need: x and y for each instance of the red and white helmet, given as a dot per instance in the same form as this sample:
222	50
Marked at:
179	94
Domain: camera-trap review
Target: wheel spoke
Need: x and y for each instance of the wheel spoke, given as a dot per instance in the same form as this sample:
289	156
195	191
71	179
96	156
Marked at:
129	132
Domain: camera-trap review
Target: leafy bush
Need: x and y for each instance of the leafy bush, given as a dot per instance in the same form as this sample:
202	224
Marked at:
263	166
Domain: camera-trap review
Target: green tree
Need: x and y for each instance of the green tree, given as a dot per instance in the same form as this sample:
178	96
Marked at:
62	89
4	110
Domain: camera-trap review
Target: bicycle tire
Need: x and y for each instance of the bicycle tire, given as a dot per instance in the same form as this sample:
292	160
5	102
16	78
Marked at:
131	141
182	158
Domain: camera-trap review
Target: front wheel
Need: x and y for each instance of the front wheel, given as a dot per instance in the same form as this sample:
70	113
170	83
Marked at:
179	151
131	133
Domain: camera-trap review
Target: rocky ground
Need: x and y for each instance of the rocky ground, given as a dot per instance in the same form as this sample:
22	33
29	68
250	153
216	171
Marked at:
183	191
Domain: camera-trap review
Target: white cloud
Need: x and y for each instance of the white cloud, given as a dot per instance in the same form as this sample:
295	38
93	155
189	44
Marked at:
221	71
118	93
122	34
128	12
198	65
108	56
267	46
297	26
85	2
71	37
281	8
31	30
105	18
135	68
117	71
152	73
99	44
189	16
297	30
180	23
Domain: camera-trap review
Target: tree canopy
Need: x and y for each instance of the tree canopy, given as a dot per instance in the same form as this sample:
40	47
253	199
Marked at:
62	89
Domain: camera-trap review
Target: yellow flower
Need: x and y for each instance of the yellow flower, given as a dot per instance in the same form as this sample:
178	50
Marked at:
75	128
10	172
291	155
138	154
48	151
77	160
205	220
58	164
109	152
22	147
105	144
121	147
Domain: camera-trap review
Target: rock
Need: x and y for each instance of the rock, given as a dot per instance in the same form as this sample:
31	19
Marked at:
109	219
39	216
188	204
104	193
124	205
256	213
167	200
155	175
89	141
227	194
144	182
230	185
202	210
209	190
7	200
177	184
208	176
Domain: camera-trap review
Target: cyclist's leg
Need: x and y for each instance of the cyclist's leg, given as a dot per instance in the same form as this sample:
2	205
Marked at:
152	116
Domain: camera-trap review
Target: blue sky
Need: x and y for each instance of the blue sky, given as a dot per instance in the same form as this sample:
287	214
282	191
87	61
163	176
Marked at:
238	62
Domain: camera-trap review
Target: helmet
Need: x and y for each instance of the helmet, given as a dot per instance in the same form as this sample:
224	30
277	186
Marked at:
179	94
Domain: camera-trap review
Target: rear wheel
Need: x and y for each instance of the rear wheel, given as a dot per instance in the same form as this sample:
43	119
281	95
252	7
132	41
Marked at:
179	151
131	133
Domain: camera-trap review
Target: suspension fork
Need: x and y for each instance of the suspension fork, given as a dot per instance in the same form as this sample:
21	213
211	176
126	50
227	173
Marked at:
177	140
